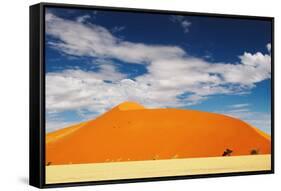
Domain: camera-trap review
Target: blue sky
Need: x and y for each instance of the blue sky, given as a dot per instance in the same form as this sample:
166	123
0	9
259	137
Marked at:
98	59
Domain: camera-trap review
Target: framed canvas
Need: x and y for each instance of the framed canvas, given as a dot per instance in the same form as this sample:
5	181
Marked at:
124	95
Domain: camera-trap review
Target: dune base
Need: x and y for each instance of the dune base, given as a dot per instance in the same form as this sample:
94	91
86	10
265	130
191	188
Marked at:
158	168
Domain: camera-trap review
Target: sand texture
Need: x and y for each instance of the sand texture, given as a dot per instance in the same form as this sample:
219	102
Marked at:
155	168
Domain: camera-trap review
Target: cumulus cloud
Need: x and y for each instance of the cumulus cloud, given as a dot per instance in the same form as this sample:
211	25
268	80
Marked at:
83	18
268	46
78	89
81	39
185	24
173	78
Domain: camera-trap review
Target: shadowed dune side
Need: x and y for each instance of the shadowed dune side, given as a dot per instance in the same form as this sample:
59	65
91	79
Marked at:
130	132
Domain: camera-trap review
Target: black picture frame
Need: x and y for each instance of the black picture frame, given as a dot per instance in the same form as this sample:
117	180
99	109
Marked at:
37	95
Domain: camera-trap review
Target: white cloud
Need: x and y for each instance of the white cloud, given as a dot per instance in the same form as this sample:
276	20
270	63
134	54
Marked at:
77	89
83	18
241	105
268	46
118	29
185	24
81	39
171	72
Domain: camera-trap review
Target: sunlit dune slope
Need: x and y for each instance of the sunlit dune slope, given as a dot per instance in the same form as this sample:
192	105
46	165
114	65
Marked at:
129	106
129	132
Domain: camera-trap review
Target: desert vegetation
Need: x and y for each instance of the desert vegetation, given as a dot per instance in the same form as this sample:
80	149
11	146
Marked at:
254	152
227	152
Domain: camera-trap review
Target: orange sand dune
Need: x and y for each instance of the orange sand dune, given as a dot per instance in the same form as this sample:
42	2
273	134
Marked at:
130	132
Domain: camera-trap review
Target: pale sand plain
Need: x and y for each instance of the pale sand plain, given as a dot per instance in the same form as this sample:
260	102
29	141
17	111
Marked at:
155	168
